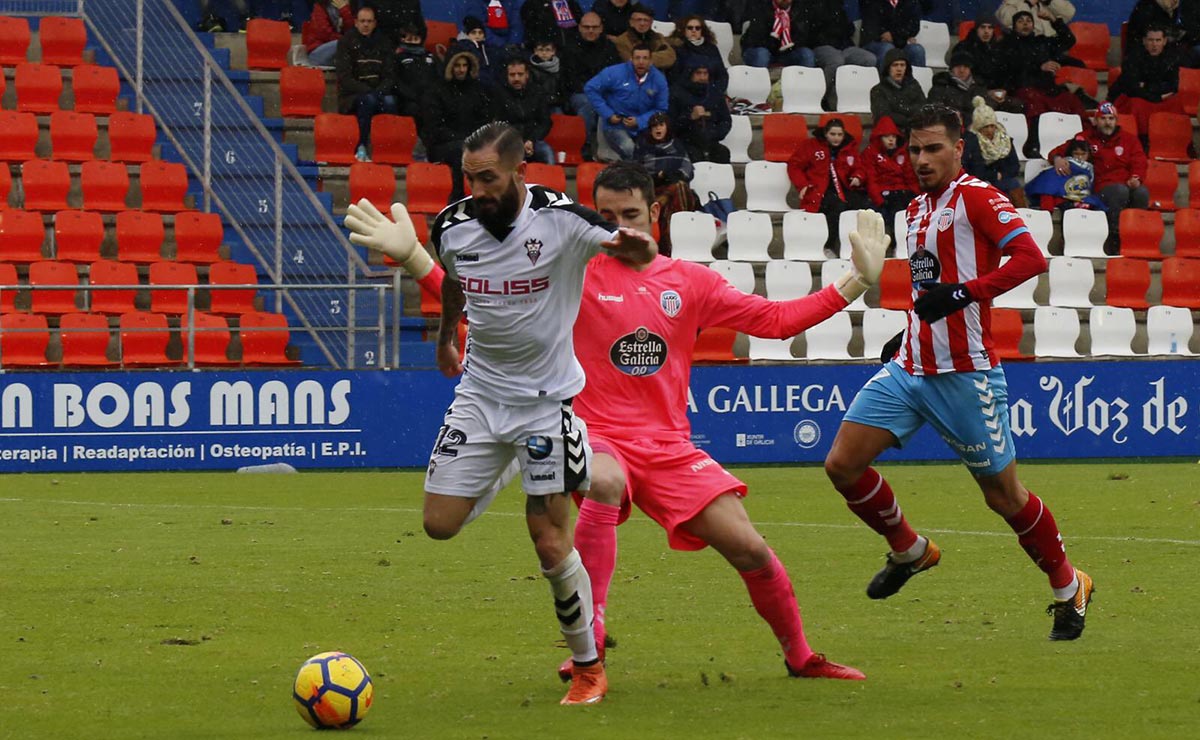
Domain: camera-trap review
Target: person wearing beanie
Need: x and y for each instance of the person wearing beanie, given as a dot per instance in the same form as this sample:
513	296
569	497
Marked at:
501	21
898	95
700	115
1030	65
983	44
395	14
989	154
957	87
417	73
473	39
1044	13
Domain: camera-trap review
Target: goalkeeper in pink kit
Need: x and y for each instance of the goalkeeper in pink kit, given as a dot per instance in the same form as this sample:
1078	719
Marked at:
634	337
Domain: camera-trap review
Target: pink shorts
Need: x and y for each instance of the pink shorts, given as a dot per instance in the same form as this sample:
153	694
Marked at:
670	481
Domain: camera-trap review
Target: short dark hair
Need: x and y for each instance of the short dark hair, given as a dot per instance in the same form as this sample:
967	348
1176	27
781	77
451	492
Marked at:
625	176
1154	28
509	142
928	116
517	61
640	46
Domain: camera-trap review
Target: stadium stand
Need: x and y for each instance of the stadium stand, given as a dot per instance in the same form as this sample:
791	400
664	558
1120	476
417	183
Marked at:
20	136
14	40
85	339
39	86
140	236
95	88
77	236
24	339
105	185
114	301
144	339
62	40
21	236
173	302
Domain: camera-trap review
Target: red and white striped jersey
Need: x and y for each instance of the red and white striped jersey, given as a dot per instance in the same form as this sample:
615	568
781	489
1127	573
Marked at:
955	236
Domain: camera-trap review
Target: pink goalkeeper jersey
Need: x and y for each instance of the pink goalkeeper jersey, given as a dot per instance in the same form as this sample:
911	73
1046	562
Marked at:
636	331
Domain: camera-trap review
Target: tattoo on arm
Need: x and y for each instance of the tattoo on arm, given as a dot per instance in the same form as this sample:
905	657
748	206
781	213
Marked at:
453	301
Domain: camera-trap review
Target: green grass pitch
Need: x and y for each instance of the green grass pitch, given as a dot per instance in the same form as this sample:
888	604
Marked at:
181	605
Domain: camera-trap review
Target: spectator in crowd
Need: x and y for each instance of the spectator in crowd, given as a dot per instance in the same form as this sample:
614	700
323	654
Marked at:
456	107
417	74
696	46
831	38
1072	189
1031	62
640	31
1167	15
212	23
555	20
958	87
396	14
989	154
887	173
776	33
898	95
983	44
473	39
614	14
1044	12
666	159
700	115
1120	166
501	21
625	96
892	24
365	64
545	73
324	28
523	106
1149	80
824	171
585	58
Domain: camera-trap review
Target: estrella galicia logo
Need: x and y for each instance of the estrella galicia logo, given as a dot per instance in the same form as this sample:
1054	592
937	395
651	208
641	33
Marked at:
533	249
671	302
539	447
641	353
807	434
924	266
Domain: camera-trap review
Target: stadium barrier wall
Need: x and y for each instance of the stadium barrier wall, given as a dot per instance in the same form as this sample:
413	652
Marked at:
349	419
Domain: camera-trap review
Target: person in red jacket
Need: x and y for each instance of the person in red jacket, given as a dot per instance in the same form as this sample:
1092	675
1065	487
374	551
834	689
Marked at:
824	171
323	29
1120	165
887	172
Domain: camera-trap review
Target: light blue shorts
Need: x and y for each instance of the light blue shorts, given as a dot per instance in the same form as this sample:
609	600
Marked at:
969	411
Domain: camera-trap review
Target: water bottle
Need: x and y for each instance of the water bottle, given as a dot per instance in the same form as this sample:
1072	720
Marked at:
1174	347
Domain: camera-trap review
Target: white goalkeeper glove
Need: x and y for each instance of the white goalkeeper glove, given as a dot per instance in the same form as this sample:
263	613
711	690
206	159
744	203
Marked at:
868	248
394	237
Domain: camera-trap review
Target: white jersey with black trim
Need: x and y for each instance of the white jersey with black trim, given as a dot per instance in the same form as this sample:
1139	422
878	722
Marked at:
522	288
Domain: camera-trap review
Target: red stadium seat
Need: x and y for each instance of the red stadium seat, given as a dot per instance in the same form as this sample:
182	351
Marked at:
140	236
547	175
851	121
165	300
1141	234
375	182
1007	330
21	236
1194	184
5	185
144	338
1126	283
1085	78
164	185
567	134
781	134
63	40
50	273
198	237
301	90
108	272
23	340
439	33
895	285
131	137
96	89
1170	136
14	40
1127	121
267	43
336	138
1181	282
1091	44
230	302
1114	74
212	338
46	185
85	340
105	185
392	139
1161	180
77	236
20	136
264	339
8	295
1189	88
715	344
428	186
73	136
39	87
1187	233
585	176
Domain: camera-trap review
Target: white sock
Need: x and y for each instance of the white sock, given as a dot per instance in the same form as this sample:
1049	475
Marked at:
1067	592
572	592
913	553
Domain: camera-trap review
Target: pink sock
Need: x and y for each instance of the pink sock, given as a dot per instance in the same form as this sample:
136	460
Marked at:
596	541
871	498
772	595
1038	533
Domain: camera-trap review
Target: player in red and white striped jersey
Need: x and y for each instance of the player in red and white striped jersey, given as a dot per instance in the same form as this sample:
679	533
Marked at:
946	373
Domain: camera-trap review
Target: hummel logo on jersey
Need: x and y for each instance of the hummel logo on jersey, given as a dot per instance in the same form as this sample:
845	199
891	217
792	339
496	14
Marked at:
611	298
533	250
466	258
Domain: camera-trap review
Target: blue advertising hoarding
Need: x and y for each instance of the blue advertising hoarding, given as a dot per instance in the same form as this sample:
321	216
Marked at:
740	414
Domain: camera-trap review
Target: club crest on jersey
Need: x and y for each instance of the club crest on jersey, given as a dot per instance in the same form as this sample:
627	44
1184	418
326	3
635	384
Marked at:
533	250
671	302
945	219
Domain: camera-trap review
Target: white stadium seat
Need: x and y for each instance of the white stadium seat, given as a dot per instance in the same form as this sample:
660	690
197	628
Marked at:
749	235
1055	128
900	229
1017	128
1084	233
737	141
751	83
1019	297
829	339
785	280
878	326
935	38
692	236
1112	331
778	350
804	236
711	177
1055	331
723	32
853	84
1041	227
1071	281
767	186
924	78
802	88
831	270
1035	167
739	274
1169	330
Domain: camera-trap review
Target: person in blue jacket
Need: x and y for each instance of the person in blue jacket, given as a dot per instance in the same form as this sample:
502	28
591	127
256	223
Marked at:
625	96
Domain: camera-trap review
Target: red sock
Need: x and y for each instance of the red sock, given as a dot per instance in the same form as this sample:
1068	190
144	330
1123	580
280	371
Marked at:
1038	534
596	541
872	500
772	595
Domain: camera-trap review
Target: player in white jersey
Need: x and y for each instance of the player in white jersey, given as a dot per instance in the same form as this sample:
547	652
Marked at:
947	374
514	258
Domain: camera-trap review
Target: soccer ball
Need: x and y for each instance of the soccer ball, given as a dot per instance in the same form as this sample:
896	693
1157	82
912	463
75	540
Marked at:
333	690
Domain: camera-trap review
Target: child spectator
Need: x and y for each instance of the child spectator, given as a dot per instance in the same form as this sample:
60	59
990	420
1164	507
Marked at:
823	170
1072	190
887	172
545	69
667	161
473	39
